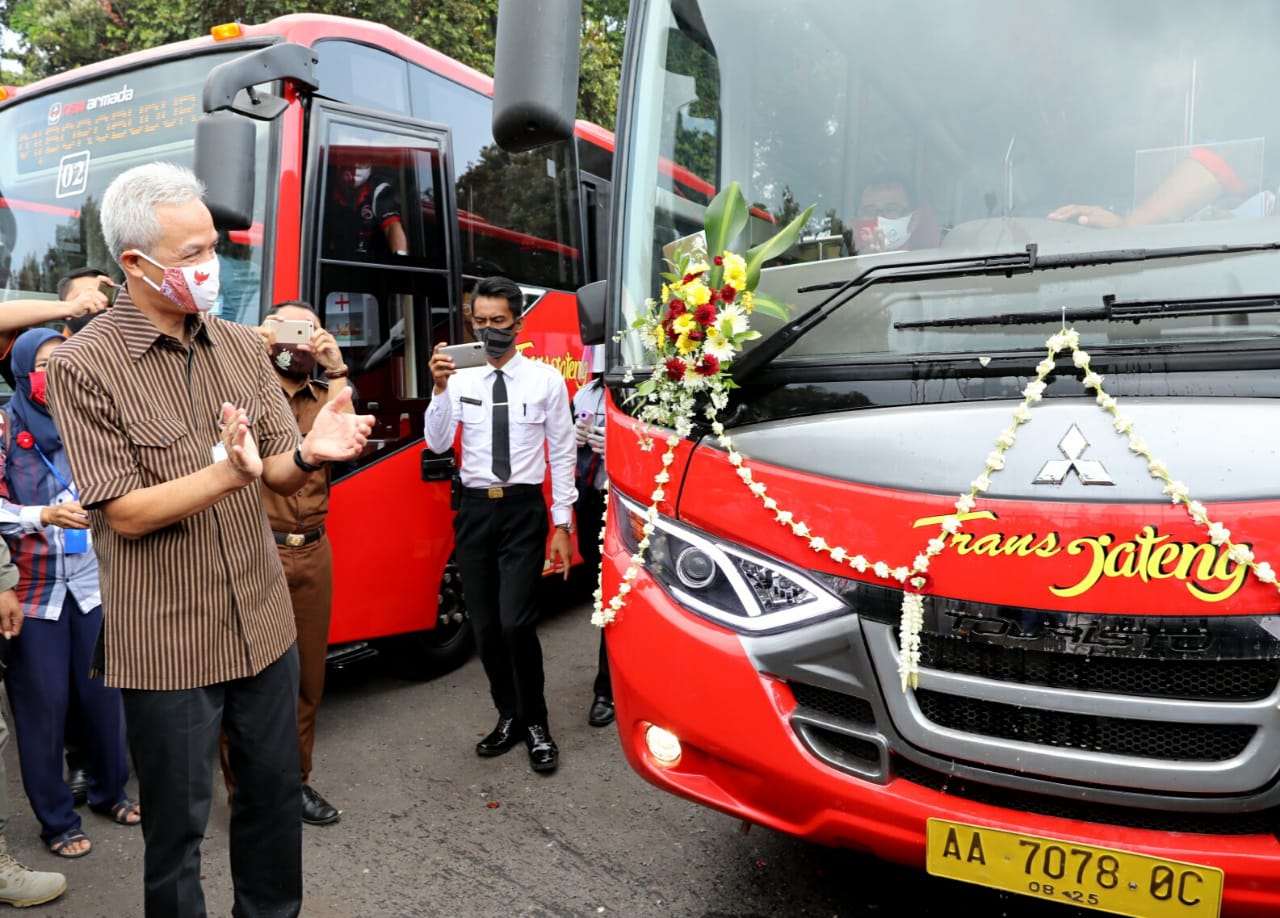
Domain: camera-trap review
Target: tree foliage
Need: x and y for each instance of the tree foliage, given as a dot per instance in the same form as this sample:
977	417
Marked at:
58	35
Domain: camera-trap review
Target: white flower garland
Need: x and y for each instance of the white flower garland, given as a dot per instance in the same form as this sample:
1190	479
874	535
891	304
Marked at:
914	574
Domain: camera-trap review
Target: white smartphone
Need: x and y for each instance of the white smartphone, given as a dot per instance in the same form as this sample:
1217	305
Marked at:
470	354
294	331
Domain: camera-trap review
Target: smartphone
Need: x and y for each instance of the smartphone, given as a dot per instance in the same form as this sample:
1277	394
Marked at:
470	354
109	290
294	331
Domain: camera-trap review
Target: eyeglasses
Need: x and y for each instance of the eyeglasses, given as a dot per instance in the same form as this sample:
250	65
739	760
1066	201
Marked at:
889	209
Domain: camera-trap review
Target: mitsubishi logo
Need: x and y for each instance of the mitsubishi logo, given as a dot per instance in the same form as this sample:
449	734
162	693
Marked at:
1073	445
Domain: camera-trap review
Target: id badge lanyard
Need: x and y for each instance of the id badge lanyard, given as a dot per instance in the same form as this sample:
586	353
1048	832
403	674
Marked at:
74	541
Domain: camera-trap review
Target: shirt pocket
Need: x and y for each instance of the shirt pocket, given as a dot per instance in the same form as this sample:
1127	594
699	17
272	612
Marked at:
160	445
527	424
474	414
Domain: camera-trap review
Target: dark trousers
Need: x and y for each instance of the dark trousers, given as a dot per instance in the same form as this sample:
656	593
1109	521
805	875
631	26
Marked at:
173	736
48	673
500	547
76	740
589	511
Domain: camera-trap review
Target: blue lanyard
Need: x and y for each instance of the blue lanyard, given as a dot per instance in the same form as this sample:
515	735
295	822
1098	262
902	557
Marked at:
66	485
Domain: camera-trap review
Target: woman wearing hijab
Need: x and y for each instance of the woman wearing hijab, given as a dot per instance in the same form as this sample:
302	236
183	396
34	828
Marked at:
50	662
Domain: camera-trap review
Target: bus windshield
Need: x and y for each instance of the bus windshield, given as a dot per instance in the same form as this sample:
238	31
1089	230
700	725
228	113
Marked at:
64	148
931	131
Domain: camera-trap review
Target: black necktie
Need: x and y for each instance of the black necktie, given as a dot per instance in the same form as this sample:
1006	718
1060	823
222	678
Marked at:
501	431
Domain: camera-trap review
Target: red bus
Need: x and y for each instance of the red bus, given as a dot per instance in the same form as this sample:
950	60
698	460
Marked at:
322	92
1031	367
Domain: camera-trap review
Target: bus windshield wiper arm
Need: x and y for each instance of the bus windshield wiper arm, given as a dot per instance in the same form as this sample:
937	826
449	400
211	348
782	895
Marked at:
1113	311
972	266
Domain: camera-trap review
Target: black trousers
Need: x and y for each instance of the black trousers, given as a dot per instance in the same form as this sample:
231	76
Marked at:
500	546
173	736
589	512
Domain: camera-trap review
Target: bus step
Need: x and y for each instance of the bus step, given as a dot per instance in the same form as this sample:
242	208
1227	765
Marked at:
340	656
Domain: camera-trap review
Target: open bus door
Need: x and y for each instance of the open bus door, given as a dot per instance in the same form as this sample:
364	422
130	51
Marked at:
379	221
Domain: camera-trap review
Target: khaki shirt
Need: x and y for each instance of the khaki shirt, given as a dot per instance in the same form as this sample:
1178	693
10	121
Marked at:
204	600
306	508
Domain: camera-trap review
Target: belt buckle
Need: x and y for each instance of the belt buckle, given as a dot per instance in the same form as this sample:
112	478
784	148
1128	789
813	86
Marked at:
295	539
495	493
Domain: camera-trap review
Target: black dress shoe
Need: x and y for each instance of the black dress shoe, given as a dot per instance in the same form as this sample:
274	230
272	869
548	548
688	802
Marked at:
601	714
316	811
78	784
543	754
504	737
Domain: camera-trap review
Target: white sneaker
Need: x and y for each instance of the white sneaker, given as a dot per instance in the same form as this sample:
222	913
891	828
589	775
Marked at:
21	886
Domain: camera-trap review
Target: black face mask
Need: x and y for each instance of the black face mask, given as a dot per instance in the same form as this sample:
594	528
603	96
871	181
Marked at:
291	362
497	341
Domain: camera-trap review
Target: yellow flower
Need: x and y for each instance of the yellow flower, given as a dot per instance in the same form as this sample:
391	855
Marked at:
697	293
686	345
666	293
735	270
748	301
685	324
659	338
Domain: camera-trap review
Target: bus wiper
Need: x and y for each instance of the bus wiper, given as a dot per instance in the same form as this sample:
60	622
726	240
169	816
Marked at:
1009	264
1113	311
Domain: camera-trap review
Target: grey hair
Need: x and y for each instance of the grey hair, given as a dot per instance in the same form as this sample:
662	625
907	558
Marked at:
129	204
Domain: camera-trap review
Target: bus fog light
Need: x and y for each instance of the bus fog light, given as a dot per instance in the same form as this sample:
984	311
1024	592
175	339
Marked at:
663	745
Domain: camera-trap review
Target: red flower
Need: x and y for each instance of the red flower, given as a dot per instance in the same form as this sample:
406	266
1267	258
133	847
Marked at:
675	369
25	440
718	260
706	315
728	293
690	278
697	334
707	366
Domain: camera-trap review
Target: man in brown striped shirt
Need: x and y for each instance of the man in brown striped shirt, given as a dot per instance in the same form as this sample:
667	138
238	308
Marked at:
170	417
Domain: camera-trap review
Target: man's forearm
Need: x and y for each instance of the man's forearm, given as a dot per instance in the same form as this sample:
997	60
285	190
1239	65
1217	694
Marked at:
147	510
282	475
17	314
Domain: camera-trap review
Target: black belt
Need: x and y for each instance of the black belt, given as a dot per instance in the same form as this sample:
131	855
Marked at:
298	539
497	493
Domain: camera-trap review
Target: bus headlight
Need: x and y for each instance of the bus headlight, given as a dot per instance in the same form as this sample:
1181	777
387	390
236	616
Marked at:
722	581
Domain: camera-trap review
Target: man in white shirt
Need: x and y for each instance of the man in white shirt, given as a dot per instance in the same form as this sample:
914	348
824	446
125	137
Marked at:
508	409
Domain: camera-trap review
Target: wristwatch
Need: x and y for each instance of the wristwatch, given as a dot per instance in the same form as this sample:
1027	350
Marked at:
302	463
567	527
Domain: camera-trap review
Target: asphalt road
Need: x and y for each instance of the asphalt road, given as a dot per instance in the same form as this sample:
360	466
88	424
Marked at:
429	829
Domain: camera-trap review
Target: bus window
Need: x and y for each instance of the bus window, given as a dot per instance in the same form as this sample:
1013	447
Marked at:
382	284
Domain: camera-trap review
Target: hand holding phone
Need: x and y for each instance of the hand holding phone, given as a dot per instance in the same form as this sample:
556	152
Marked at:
294	331
470	354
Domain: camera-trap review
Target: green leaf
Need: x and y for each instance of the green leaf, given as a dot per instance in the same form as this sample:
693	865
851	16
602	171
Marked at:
726	218
771	307
774	246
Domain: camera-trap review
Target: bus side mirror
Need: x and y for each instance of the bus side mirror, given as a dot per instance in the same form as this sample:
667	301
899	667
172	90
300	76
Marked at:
591	300
535	72
224	161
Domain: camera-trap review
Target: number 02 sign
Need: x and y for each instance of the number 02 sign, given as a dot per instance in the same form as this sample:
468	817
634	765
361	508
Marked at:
73	175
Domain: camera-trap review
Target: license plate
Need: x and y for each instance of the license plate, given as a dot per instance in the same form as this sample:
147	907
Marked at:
1119	882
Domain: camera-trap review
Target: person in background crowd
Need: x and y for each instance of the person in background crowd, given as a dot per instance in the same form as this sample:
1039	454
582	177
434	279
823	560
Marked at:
500	530
297	523
78	282
49	665
19	886
83	280
590	478
16	315
171	417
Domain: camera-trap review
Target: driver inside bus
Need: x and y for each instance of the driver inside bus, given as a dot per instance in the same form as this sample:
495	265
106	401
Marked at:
362	220
889	218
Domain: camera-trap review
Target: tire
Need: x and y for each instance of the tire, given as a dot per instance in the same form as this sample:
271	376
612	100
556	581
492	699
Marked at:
422	655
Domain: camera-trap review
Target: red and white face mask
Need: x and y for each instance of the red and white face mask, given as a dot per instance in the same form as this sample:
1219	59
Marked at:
194	288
